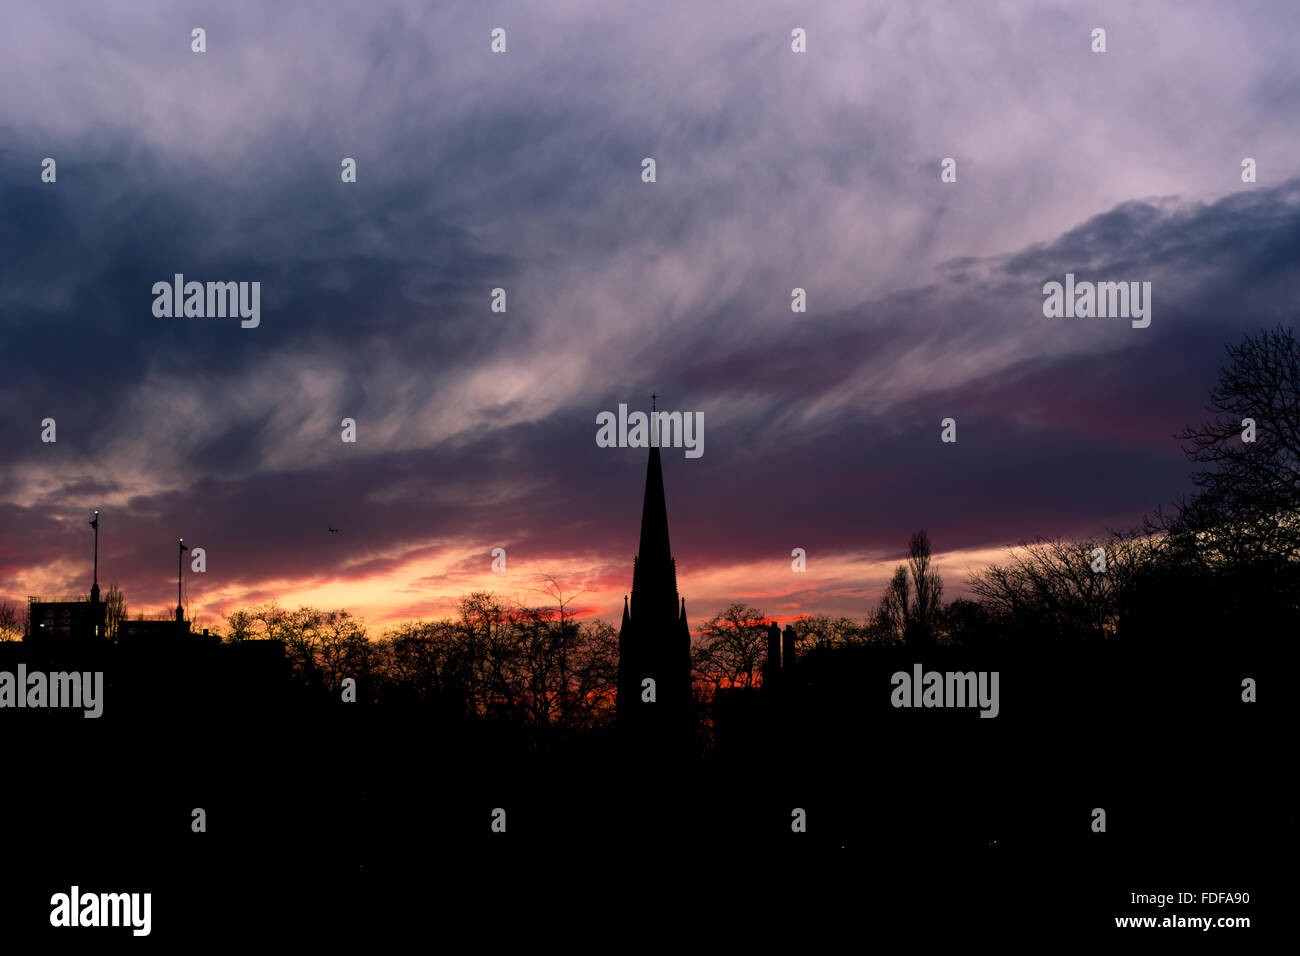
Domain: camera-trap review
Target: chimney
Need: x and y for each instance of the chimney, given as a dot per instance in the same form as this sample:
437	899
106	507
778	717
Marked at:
772	666
789	645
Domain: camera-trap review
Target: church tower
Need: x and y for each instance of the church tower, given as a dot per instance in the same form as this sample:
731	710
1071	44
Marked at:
654	641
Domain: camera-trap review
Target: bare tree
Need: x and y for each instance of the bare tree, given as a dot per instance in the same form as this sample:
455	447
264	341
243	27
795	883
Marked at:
731	648
11	623
1248	506
574	668
243	625
909	607
317	643
893	615
535	666
490	655
420	656
1053	590
928	588
341	649
819	631
115	611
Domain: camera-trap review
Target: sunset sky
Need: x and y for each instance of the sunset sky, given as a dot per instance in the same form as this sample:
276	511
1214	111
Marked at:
522	170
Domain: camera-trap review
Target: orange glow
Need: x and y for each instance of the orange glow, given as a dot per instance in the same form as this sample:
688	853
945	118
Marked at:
430	587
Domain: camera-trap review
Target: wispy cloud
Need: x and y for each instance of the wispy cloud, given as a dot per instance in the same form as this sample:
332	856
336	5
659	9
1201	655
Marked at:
522	171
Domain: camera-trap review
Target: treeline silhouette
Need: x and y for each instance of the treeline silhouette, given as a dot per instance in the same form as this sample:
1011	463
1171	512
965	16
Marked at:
497	662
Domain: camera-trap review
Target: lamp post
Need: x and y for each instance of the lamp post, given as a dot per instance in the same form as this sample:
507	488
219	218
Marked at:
94	585
180	558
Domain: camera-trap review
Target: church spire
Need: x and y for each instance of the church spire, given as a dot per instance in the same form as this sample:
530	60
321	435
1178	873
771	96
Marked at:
654	640
654	551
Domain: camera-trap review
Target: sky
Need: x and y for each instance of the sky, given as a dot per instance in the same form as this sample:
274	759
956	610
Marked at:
522	170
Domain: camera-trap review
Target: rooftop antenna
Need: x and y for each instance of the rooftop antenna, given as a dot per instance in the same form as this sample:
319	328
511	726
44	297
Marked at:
94	585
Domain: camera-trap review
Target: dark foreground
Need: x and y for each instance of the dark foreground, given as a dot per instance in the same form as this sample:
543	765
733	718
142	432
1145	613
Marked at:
334	823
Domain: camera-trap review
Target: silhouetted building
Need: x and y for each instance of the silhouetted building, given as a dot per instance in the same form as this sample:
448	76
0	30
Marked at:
71	620
76	620
152	632
654	642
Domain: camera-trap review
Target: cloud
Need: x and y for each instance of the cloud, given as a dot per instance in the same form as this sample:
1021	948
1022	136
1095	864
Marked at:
477	171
